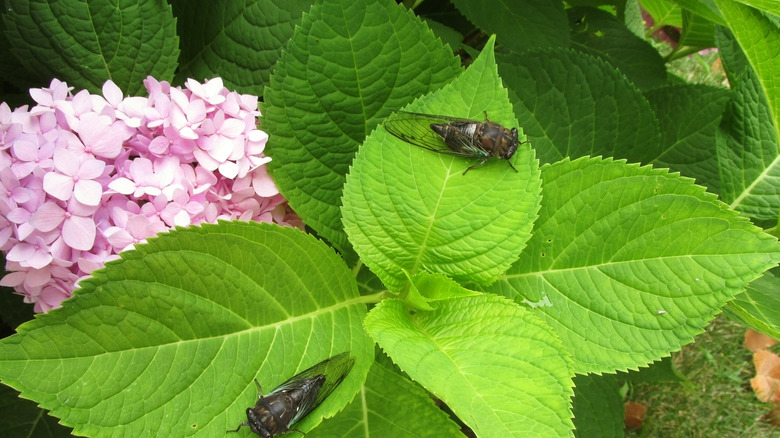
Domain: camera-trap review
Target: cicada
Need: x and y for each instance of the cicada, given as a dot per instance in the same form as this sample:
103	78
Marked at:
455	136
276	412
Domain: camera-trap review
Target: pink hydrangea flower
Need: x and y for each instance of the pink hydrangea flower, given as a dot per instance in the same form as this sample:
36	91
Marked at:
83	177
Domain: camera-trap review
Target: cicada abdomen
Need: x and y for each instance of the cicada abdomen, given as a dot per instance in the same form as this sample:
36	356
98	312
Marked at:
455	136
276	412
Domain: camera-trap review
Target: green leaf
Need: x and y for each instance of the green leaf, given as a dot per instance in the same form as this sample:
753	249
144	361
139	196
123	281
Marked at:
664	13
349	64
521	24
703	8
179	327
759	37
697	33
657	372
770	6
597	407
389	405
238	41
628	263
689	116
13	310
734	59
436	287
602	35
500	369
85	43
749	155
408	210
605	114
757	306
22	418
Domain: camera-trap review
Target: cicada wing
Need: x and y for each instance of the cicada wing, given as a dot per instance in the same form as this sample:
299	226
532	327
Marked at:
417	129
319	381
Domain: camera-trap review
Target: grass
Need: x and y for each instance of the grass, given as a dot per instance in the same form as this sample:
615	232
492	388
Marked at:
719	401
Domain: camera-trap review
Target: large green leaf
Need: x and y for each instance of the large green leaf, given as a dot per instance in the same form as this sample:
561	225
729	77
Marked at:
628	263
602	35
408	210
520	24
759	37
498	367
664	13
178	329
697	33
349	64
22	418
757	306
605	113
85	43
771	6
389	405
703	8
749	153
689	116
597	407
238	41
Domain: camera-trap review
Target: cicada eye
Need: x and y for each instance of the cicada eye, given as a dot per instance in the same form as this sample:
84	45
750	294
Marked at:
513	143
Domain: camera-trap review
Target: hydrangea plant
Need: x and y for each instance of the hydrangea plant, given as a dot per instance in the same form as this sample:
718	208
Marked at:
86	176
642	207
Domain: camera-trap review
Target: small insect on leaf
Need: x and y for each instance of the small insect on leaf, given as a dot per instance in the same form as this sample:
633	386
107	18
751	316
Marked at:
275	412
455	136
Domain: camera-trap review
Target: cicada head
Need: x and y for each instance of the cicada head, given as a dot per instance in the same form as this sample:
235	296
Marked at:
512	146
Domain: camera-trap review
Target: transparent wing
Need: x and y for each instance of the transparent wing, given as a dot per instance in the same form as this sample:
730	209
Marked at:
415	128
318	382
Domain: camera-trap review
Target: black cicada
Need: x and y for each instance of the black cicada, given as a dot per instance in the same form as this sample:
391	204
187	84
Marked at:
454	136
275	412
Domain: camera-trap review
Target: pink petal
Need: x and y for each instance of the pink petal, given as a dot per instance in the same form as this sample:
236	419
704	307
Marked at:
228	169
42	96
101	137
119	238
25	149
13	279
58	185
91	169
112	93
262	183
232	128
20	252
18	215
40	259
122	185
48	217
88	192
66	161
79	232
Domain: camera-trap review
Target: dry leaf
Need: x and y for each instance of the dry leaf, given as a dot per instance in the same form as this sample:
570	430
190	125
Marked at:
766	384
635	415
755	341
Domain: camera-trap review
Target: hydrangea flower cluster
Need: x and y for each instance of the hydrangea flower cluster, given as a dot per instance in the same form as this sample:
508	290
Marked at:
83	177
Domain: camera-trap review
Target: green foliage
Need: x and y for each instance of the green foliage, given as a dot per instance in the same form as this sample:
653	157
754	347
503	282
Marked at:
243	39
470	227
320	107
85	43
484	356
632	221
594	395
142	345
389	405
